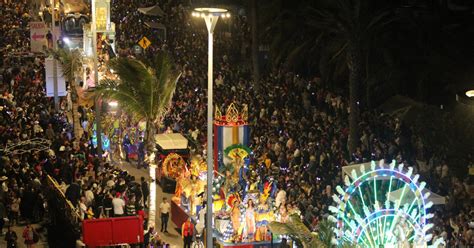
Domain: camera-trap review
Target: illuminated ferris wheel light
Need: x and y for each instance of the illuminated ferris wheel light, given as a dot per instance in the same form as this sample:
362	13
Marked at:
381	206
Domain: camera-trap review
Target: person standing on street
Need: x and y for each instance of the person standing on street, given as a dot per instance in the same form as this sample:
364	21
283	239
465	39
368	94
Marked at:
118	205
29	236
187	230
11	238
165	214
141	153
145	191
126	146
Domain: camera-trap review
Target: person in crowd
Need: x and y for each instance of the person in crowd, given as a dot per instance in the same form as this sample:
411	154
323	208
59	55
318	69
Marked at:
187	230
14	209
141	153
165	208
126	143
11	238
30	236
130	207
118	205
83	208
145	190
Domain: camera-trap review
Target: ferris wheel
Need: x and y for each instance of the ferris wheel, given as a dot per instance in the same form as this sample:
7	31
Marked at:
382	206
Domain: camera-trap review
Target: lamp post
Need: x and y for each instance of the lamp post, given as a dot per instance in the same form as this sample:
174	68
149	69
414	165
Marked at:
470	93
55	47
210	16
465	95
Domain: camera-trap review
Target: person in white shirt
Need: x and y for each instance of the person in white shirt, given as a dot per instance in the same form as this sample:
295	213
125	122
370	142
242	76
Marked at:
118	205
89	196
165	208
83	208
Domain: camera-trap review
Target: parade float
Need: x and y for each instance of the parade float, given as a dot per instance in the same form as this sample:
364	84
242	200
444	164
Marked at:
243	203
367	215
173	154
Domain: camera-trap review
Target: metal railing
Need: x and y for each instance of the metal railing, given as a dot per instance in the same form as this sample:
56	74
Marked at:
68	206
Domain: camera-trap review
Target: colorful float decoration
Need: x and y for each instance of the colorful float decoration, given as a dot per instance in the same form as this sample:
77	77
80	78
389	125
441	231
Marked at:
190	185
243	203
229	129
174	165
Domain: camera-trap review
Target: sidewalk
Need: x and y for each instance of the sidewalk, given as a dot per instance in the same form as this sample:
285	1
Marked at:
156	197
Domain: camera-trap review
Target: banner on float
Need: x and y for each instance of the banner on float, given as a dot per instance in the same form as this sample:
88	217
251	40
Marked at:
50	78
38	40
225	136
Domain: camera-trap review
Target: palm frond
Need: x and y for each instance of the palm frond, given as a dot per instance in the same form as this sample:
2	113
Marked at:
111	89
325	232
296	229
144	88
71	61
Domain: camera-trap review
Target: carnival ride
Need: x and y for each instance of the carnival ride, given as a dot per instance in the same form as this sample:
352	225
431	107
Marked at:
366	216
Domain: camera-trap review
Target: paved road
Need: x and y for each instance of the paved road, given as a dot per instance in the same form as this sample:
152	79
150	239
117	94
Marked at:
156	196
21	242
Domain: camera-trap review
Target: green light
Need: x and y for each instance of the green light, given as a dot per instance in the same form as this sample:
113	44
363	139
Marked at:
378	222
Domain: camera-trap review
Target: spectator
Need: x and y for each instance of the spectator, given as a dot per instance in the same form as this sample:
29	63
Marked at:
11	238
30	236
187	230
118	205
130	207
145	191
165	208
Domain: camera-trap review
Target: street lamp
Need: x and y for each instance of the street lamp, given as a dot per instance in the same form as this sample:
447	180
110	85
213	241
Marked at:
211	16
470	93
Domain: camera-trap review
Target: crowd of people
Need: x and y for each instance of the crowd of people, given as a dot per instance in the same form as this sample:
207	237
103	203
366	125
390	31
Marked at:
37	141
297	125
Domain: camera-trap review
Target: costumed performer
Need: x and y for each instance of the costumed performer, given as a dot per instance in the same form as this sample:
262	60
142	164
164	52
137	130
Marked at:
250	226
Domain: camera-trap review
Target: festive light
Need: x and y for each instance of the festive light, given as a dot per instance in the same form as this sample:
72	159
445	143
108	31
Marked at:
365	213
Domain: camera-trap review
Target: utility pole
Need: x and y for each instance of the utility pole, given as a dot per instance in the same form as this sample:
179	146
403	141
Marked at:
96	81
55	64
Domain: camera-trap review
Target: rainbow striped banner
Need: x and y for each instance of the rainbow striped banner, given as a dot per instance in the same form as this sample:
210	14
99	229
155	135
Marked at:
225	136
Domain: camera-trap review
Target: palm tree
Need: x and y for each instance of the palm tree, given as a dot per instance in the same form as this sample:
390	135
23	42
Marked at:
71	61
144	88
350	23
327	32
297	231
325	233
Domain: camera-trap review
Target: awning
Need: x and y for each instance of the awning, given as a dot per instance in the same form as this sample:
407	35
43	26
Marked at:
155	25
408	198
152	11
171	141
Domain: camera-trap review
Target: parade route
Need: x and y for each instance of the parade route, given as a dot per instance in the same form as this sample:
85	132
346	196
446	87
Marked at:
156	196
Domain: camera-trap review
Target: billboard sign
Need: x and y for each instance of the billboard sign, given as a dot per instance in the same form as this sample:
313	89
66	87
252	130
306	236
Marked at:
38	32
50	78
